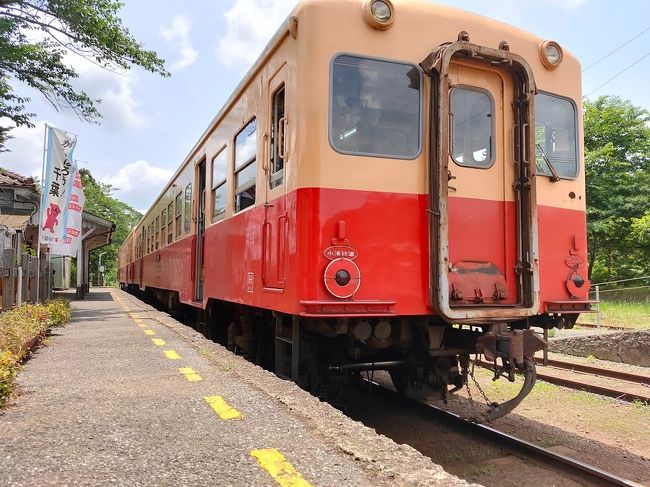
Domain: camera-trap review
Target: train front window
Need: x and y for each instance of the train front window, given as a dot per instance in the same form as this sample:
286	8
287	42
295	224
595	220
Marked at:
472	126
375	108
245	166
555	135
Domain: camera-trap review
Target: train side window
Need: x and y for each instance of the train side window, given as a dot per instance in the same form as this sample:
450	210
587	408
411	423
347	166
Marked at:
245	166
556	122
170	223
188	208
472	125
219	187
157	232
163	227
179	215
278	142
375	108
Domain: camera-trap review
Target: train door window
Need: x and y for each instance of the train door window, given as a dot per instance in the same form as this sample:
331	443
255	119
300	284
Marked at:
277	138
375	108
472	125
556	122
179	215
188	208
170	223
163	227
157	232
219	186
245	166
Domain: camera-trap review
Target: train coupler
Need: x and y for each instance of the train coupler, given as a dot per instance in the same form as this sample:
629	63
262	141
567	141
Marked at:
513	346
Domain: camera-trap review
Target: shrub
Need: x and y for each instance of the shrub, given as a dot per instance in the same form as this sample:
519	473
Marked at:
59	311
8	369
17	327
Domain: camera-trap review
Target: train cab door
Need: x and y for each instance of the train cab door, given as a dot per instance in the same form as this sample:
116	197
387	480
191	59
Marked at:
487	228
199	218
275	226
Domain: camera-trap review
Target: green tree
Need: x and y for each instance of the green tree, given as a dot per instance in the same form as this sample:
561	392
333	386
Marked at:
90	28
101	202
617	160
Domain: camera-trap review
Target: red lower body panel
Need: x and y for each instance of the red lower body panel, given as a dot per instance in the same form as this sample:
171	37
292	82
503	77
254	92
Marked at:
386	236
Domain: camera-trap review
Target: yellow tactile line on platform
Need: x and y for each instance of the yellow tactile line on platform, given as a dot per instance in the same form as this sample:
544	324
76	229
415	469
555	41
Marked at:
149	332
279	468
159	342
189	374
222	408
172	355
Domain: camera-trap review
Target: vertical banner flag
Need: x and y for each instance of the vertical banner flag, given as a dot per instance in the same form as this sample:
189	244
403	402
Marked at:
72	241
58	176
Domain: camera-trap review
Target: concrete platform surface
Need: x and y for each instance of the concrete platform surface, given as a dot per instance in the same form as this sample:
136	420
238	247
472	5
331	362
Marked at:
125	395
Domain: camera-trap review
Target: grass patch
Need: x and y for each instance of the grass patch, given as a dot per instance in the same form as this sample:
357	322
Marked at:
18	326
631	314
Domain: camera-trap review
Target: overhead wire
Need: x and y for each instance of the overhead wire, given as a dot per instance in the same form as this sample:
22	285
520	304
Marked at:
620	73
617	49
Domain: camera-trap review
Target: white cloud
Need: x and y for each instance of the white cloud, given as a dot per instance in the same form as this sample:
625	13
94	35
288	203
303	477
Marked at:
250	24
178	34
25	154
119	107
138	183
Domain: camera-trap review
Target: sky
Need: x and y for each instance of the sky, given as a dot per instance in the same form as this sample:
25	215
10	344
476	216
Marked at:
150	123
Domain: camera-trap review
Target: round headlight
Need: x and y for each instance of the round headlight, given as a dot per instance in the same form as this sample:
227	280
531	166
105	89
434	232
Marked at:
342	277
379	13
551	54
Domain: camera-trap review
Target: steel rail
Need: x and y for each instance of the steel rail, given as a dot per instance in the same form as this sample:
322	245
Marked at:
583	470
590	369
602	390
582	386
604	327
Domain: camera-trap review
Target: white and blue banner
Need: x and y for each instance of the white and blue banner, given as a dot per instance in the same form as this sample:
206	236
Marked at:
59	172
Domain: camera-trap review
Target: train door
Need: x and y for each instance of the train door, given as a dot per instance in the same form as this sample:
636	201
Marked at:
275	216
486	254
481	203
141	263
200	232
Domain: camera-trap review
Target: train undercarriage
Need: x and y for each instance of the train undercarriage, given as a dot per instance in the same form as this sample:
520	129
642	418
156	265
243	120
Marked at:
425	357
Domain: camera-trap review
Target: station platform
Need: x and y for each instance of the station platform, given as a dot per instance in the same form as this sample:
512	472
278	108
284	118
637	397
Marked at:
126	395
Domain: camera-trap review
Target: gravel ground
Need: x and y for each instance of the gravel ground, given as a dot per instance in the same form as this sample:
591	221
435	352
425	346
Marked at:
103	405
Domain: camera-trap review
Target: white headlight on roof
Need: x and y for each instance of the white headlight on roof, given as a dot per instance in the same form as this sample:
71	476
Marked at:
379	13
551	54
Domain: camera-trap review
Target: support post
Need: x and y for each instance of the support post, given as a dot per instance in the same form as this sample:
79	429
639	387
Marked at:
19	257
40	217
598	310
545	362
80	291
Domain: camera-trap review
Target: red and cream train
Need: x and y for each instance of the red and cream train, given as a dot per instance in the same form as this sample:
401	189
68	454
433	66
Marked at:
392	186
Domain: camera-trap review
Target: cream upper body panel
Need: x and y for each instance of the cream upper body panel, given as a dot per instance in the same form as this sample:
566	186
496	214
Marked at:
332	27
325	29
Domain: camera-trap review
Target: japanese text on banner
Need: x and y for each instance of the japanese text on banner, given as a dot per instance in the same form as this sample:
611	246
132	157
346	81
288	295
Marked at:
59	174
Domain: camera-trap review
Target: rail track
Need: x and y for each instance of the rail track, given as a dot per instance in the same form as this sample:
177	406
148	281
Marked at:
551	459
614	392
604	327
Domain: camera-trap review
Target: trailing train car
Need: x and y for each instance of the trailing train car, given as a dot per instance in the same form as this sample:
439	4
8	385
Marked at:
393	185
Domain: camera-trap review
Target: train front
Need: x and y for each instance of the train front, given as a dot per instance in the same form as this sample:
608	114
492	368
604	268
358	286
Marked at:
448	198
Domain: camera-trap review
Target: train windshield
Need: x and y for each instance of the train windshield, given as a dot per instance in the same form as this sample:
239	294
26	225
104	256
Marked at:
375	108
555	135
